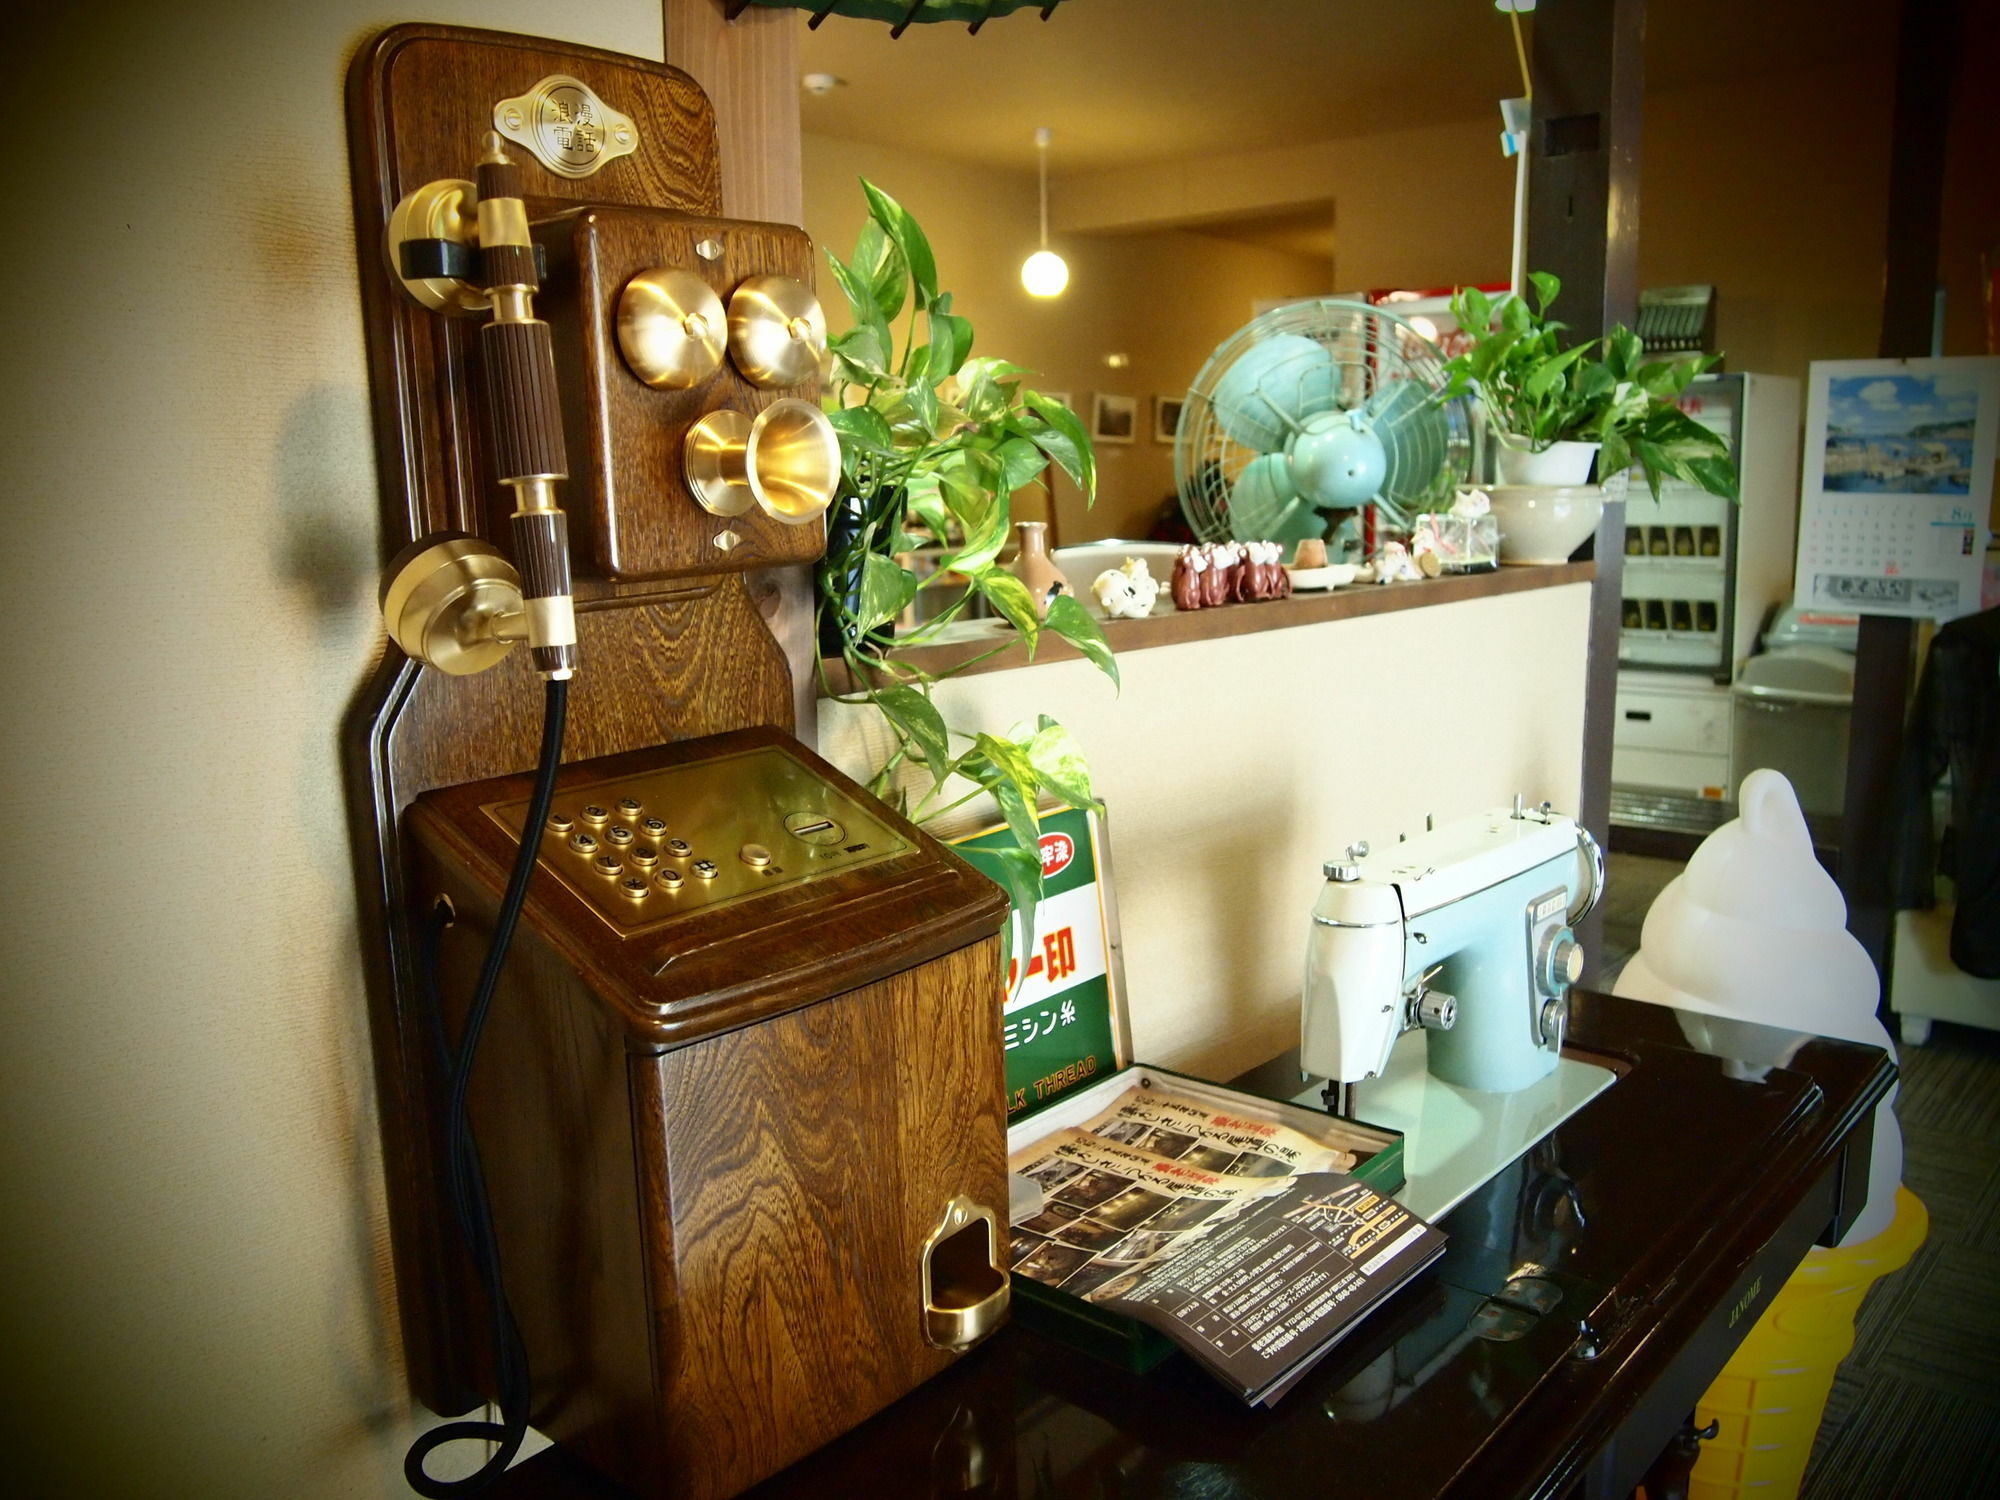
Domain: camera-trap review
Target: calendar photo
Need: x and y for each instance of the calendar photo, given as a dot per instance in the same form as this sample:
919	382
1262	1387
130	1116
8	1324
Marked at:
1898	485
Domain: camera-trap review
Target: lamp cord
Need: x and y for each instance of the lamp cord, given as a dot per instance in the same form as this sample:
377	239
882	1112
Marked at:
465	1179
1520	53
1042	169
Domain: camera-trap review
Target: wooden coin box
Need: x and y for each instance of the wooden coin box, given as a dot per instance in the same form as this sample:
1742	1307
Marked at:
745	1145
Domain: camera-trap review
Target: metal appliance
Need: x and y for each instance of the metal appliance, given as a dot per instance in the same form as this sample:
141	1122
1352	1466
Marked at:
1464	935
1700	575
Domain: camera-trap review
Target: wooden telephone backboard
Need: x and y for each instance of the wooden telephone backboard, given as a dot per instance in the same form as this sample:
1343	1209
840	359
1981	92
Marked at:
676	644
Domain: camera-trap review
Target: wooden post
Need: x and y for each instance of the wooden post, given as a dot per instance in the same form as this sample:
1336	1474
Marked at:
1884	664
749	68
1583	225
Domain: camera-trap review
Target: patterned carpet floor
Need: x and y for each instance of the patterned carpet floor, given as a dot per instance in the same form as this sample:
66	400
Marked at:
1915	1410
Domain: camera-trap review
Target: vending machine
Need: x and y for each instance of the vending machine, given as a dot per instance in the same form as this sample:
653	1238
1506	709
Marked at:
1701	575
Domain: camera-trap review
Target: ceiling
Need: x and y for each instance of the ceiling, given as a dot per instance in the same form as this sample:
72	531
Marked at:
1125	82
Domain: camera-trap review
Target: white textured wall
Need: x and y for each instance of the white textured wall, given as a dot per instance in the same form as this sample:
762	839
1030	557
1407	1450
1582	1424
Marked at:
195	1258
1232	769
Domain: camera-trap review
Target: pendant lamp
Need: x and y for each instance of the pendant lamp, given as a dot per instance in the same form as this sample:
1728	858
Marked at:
1044	273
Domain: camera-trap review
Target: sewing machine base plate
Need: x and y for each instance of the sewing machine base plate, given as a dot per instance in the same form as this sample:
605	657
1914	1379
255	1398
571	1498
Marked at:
1456	1140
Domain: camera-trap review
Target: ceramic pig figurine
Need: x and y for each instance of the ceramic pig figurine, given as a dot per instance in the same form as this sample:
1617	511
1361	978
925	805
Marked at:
1189	569
1218	585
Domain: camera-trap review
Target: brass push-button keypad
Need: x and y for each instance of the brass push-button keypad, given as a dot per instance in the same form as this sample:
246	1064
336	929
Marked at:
742	825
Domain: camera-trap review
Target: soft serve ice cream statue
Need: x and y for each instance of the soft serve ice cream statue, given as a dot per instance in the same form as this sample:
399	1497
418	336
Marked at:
1754	930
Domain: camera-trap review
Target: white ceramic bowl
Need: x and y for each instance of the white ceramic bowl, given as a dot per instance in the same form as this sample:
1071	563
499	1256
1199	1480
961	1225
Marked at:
1544	523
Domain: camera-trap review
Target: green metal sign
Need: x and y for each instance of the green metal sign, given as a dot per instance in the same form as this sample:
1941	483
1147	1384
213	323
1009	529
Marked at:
1057	1022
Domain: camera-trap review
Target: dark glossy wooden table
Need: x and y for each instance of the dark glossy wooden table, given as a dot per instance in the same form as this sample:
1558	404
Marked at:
1668	1211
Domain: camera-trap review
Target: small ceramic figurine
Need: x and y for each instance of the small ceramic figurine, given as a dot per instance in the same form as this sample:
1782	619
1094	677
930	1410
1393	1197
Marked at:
1393	565
1127	593
1281	581
1189	568
1035	568
1311	553
1218	578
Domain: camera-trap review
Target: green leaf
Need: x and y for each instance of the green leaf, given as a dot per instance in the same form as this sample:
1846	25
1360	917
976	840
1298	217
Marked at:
860	299
1021	463
864	350
1546	286
879	266
1550	372
918	718
862	427
1075	624
1010	596
1060	766
1657	381
1716	475
923	403
1020	876
1478	310
985	526
886	590
908	238
947	351
1514	316
1615	457
924	494
1064	440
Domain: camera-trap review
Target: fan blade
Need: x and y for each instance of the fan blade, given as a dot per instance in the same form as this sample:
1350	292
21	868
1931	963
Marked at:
1415	432
1271	389
1265	507
1336	460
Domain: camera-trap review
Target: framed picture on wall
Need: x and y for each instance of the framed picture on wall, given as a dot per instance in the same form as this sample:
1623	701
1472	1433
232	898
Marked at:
1166	417
1113	419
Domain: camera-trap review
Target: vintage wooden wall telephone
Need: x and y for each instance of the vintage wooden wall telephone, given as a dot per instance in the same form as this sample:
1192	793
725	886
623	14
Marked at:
739	1100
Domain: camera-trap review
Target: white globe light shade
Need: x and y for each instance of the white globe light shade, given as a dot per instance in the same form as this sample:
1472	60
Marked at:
1044	274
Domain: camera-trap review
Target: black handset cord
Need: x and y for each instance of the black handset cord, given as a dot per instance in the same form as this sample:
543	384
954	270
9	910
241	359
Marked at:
465	1180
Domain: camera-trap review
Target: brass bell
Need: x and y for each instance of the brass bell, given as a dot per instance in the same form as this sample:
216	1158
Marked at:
786	462
777	332
670	328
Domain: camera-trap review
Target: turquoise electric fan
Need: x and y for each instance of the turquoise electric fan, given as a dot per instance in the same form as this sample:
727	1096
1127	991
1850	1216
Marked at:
1313	408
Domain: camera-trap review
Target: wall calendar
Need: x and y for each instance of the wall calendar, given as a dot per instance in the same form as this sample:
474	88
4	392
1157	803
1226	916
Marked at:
1897	485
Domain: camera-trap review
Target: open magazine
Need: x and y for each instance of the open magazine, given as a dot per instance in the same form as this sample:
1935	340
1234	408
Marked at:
1241	1240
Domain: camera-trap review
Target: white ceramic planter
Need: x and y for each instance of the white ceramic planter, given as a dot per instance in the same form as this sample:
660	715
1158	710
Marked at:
1544	523
1559	463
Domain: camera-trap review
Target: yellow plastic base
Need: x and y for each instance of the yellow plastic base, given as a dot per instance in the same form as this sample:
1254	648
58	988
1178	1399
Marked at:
1769	1398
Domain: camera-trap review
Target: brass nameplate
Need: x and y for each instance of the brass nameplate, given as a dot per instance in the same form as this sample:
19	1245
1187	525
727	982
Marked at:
644	850
569	129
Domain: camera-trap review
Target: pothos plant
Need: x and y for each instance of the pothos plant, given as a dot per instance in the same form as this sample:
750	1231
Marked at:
936	439
1538	392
